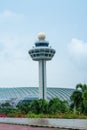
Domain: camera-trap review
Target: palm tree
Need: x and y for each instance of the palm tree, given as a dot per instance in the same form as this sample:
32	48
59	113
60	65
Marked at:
84	96
76	99
82	87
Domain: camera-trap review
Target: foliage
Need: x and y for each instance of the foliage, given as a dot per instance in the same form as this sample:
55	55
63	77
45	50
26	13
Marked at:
24	107
39	106
76	98
5	105
33	115
84	95
79	99
82	87
59	115
57	106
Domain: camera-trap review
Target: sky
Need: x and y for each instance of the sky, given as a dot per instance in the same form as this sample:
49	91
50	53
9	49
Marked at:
65	24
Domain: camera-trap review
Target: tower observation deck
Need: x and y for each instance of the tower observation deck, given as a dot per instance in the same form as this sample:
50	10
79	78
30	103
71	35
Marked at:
42	52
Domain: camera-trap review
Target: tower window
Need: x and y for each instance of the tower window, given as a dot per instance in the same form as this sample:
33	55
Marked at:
46	54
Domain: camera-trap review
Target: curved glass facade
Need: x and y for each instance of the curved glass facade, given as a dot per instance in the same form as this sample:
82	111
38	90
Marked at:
14	95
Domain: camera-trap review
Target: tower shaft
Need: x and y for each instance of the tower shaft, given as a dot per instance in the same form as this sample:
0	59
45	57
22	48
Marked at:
42	79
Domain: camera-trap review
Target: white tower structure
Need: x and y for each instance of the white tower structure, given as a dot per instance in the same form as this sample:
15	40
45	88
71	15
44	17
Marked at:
42	52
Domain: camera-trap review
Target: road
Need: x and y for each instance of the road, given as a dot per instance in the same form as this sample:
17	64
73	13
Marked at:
19	127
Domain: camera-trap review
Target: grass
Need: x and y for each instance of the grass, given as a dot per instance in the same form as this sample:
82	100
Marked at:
60	116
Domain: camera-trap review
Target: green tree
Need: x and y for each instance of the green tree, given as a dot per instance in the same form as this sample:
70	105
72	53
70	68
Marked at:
84	96
64	107
82	87
43	106
57	106
24	107
5	105
39	106
78	97
34	106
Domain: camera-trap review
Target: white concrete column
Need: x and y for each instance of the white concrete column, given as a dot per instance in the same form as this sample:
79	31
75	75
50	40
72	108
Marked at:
42	79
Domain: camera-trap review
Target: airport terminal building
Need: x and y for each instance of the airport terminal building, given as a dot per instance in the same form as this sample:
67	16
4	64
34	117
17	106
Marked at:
15	95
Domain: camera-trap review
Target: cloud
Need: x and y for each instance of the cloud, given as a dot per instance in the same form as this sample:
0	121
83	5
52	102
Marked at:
77	49
15	63
11	21
7	13
11	43
12	47
10	14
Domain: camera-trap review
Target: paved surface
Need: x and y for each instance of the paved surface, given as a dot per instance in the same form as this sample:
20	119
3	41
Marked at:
19	127
73	124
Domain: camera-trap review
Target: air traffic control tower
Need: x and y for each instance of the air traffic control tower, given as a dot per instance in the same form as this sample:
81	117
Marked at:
42	52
